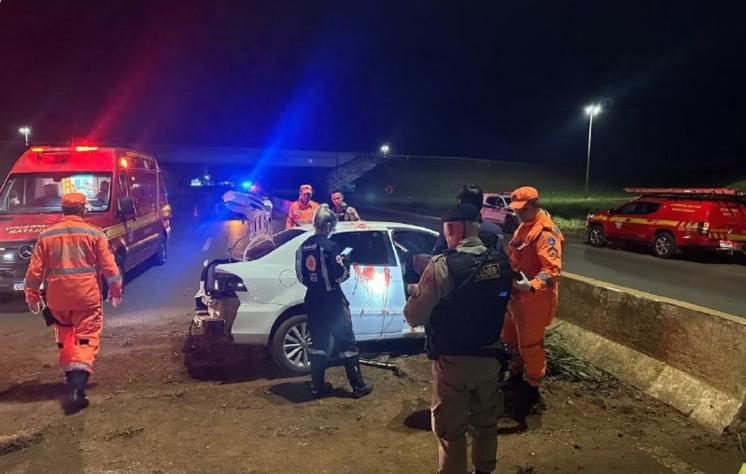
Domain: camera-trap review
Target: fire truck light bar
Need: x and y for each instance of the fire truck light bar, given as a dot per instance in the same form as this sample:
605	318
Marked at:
710	191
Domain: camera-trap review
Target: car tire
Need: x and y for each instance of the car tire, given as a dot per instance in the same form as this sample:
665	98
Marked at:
664	245
596	236
291	336
510	225
161	255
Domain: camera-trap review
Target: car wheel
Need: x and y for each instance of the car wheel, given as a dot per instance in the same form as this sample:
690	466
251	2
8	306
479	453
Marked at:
664	245
290	344
596	236
509	225
161	255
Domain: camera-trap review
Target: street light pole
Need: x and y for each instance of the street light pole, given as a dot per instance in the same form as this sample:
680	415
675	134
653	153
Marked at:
592	110
25	131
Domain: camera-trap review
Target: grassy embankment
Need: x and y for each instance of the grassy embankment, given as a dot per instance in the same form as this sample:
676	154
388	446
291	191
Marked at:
430	185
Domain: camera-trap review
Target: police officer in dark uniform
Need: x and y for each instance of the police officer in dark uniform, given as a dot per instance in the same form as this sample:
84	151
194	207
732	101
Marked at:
321	268
461	300
490	233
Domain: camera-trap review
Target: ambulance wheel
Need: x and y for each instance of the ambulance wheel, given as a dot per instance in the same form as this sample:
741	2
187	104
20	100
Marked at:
664	245
161	255
596	236
290	345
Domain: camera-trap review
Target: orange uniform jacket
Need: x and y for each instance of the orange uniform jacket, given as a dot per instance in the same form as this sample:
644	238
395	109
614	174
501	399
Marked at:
300	214
70	256
535	250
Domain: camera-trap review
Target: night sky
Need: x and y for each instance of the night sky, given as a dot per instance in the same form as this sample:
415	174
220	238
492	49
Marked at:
499	80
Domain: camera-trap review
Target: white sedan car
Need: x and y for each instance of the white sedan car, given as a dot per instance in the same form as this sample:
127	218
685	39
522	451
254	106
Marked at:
260	301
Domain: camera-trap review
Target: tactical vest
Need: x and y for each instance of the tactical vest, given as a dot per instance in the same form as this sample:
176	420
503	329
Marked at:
468	321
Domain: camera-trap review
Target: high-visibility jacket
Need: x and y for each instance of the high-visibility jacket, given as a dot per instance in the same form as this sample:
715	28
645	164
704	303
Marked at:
70	258
300	214
536	250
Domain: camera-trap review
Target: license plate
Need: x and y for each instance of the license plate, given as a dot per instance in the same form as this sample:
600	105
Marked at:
18	286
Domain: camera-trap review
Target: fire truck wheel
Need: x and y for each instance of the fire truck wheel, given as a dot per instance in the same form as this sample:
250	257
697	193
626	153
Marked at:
596	236
664	245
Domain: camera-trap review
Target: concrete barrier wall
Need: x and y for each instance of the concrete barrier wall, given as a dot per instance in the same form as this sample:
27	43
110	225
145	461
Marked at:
688	356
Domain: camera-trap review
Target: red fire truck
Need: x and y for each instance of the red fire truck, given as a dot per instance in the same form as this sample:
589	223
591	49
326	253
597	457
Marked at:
125	193
675	218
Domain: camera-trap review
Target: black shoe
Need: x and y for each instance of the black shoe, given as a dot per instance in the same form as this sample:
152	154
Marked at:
325	390
521	402
355	377
76	399
361	391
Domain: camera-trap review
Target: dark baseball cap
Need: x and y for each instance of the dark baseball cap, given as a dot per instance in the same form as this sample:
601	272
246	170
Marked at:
461	212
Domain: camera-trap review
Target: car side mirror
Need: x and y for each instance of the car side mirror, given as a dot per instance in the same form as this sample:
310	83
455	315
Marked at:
126	208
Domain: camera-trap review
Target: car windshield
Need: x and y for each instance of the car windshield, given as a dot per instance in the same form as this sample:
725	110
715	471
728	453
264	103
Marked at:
32	193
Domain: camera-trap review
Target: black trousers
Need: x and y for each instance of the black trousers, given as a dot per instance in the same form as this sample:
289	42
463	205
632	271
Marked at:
329	315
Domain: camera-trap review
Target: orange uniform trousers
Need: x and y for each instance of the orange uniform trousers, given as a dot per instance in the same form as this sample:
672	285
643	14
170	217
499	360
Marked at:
78	337
526	320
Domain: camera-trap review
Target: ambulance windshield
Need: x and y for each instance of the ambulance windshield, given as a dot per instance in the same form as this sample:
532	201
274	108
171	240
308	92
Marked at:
30	193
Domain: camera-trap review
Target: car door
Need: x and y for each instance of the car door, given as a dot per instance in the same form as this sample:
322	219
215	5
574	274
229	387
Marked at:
144	188
407	243
620	222
373	274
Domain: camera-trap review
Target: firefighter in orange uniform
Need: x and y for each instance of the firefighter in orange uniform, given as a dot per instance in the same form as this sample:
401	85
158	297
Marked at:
70	257
301	211
535	253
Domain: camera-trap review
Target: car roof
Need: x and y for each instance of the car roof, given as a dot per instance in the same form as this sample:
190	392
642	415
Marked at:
372	225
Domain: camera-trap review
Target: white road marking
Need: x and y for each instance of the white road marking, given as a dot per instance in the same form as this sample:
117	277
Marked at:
206	247
668	459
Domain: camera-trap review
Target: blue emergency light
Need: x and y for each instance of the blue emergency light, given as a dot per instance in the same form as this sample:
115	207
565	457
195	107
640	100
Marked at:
247	185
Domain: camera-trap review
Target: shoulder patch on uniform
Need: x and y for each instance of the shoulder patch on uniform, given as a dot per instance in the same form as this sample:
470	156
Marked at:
551	241
488	272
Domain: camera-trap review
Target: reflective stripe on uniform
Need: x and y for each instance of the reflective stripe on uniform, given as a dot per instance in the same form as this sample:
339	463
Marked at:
76	366
71	271
316	352
324	271
546	278
71	230
116	278
348	354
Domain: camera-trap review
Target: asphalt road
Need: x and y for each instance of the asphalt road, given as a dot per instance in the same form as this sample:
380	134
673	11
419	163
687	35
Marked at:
713	282
153	292
168	290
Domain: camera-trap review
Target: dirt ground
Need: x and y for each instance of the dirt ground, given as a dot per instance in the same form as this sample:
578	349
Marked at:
159	406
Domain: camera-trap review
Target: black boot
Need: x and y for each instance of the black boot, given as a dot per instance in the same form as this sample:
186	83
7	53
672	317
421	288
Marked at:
319	388
355	376
76	398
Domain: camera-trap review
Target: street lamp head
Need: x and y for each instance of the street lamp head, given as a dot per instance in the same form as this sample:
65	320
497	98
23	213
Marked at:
593	109
385	149
24	130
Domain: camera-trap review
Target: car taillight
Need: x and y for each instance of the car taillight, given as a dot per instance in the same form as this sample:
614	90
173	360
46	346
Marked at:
703	228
